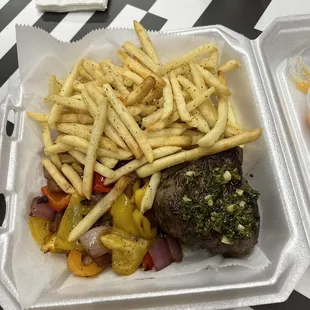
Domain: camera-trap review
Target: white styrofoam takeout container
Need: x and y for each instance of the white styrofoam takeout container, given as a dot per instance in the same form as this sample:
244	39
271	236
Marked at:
266	99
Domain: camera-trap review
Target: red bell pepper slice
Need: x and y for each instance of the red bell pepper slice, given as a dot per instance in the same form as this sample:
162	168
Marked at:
98	184
147	263
57	201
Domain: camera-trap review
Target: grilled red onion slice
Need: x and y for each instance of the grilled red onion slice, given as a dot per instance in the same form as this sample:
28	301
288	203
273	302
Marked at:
53	187
175	248
47	175
104	260
40	208
160	253
95	198
92	243
86	260
56	222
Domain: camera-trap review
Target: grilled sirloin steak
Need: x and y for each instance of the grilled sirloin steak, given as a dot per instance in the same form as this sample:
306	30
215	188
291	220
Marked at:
207	203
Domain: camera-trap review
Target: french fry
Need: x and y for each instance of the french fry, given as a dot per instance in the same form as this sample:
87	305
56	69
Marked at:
73	177
39	117
113	135
214	57
65	91
156	93
107	69
60	82
207	108
231	114
57	148
77	167
81	131
99	209
96	134
152	118
168	99
106	79
199	122
107	161
131	124
141	56
146	42
184	156
127	81
229	65
124	133
67	87
77	96
183	69
101	169
65	118
53	88
182	141
93	69
207	63
191	133
179	61
191	88
137	118
120	155
212	80
65	102
179	125
137	79
83	73
149	195
186	95
84	119
74	129
146	110
197	77
195	103
196	138
95	93
78	86
139	69
140	92
216	132
77	142
136	163
67	159
165	132
90	103
159	103
134	110
179	99
47	140
57	176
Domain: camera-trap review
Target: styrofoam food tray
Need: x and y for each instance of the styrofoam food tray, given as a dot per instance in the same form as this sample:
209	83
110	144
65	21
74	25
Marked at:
283	204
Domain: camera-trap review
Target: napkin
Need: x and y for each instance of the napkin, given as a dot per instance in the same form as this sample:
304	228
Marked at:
71	5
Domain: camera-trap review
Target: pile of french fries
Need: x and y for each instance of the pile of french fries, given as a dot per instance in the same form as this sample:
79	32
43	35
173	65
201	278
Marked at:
149	114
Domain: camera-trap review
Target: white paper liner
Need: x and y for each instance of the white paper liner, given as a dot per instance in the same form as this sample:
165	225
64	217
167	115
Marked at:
40	55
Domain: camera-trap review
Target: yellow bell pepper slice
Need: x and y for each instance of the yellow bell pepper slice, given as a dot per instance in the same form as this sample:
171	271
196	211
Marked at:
143	226
71	217
121	212
136	185
127	254
139	193
76	266
39	229
50	246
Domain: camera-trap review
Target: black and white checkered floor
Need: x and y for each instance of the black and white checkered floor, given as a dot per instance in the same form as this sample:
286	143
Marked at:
248	17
